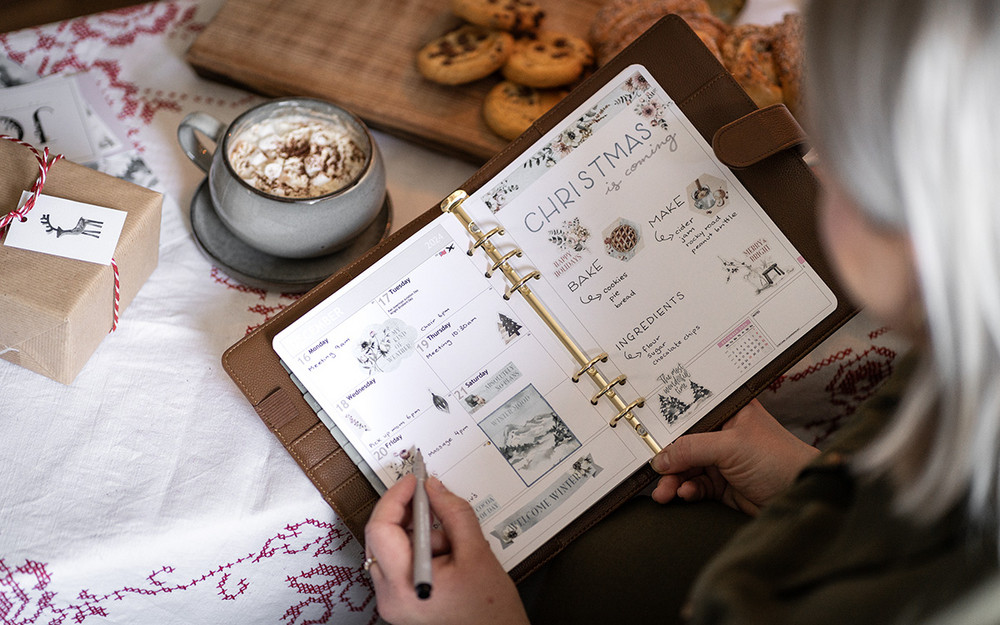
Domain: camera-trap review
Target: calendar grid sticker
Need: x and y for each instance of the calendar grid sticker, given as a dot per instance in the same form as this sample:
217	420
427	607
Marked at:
745	345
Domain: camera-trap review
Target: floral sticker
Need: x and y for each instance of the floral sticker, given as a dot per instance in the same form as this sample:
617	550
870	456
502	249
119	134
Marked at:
634	94
571	236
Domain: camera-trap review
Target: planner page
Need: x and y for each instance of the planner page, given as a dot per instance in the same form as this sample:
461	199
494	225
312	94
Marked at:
648	250
422	351
651	250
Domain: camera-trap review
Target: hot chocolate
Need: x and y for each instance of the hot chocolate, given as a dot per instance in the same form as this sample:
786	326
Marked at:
297	156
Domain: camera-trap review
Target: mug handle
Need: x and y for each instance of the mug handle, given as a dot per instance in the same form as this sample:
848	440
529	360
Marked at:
192	146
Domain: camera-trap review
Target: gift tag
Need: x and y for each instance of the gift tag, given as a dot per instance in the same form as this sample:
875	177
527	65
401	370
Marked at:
68	228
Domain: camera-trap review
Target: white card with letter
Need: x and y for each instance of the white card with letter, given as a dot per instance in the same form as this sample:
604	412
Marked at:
48	113
68	228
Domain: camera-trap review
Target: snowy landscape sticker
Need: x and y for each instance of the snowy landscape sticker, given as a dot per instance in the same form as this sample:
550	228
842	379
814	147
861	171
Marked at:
529	434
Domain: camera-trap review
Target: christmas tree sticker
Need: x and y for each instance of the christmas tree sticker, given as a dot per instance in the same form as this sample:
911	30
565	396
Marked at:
672	408
699	391
508	328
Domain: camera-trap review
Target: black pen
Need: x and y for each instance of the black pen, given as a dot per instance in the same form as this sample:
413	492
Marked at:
421	531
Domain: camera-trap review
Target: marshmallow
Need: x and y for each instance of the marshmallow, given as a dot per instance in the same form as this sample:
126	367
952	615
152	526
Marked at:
297	156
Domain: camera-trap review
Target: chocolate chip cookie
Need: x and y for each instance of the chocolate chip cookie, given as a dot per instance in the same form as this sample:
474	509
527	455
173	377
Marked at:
509	108
465	54
548	59
517	16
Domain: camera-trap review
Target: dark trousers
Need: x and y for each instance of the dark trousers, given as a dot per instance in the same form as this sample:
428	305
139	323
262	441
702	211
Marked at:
637	565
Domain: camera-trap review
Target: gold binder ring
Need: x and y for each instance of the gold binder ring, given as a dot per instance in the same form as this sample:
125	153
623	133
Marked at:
602	357
503	259
453	201
483	239
639	403
607	387
517	285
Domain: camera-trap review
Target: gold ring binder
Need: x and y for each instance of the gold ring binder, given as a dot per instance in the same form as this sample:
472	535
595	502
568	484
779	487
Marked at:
602	357
482	239
514	252
454	200
516	286
638	403
607	387
453	204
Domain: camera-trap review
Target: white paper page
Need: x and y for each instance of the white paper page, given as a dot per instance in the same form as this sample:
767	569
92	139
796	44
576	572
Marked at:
422	351
652	251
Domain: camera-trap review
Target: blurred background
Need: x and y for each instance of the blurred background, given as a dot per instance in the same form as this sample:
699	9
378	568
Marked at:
18	14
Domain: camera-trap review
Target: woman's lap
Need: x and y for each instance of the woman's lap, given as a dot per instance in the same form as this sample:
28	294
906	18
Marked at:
635	565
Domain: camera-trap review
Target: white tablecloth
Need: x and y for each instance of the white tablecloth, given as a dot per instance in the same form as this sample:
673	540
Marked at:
148	491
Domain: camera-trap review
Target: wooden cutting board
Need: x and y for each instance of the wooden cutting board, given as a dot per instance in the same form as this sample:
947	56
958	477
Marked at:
361	55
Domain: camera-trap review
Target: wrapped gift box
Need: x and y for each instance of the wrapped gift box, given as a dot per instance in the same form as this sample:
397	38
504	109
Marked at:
55	311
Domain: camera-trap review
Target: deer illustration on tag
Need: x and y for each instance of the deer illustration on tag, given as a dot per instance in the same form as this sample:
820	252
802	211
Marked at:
87	227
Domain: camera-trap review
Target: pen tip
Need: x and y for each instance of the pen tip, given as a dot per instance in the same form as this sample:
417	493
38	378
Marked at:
424	591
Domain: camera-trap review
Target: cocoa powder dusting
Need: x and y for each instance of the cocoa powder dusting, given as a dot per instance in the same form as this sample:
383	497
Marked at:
297	158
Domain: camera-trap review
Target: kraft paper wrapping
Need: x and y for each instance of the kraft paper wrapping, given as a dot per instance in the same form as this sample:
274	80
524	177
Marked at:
55	311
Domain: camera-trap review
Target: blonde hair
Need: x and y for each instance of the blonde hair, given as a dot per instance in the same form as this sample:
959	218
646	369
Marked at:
904	95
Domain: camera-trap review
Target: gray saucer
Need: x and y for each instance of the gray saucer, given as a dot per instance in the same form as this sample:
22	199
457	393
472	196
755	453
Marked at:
257	269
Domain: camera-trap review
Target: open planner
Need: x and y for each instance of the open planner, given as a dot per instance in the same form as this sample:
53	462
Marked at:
605	285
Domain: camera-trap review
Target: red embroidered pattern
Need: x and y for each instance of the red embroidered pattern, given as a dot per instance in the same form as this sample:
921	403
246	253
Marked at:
853	378
59	49
266	311
324	589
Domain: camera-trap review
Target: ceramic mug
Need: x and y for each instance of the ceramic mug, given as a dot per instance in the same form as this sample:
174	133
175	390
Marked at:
283	225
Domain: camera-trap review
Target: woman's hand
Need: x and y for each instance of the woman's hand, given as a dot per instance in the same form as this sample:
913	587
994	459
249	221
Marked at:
469	585
744	465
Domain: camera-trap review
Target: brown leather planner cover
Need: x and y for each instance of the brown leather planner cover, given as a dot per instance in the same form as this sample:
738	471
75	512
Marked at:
761	148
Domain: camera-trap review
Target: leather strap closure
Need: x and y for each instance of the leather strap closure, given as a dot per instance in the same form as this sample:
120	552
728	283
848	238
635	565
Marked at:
758	135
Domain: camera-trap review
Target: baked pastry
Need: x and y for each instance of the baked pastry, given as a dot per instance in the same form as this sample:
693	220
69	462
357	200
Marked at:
611	15
517	16
726	10
465	54
547	59
620	22
786	49
509	108
747	54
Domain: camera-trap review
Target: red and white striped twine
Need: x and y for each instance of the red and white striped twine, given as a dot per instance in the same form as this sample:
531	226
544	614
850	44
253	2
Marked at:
43	171
118	296
21	214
